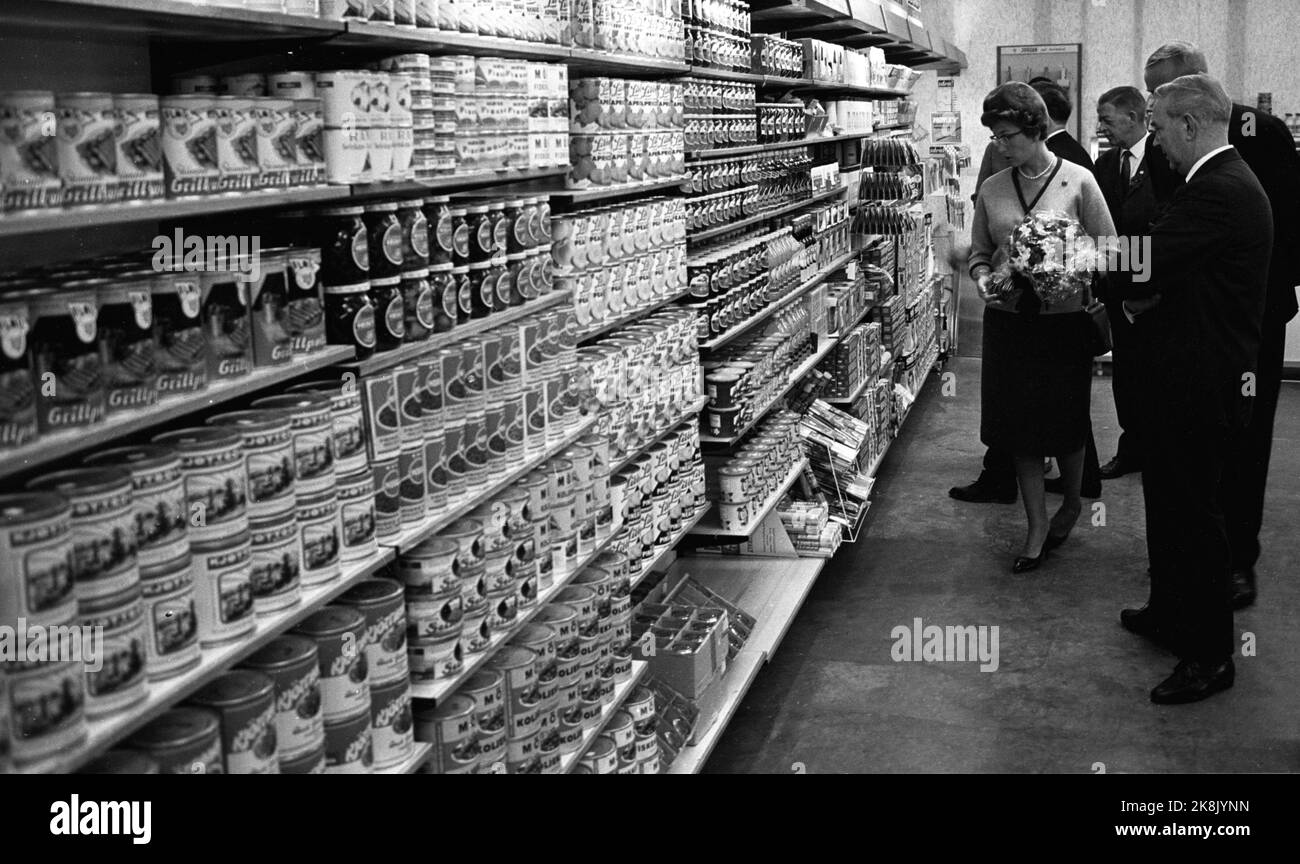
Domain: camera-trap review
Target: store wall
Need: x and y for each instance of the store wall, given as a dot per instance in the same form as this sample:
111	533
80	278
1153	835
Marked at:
1250	45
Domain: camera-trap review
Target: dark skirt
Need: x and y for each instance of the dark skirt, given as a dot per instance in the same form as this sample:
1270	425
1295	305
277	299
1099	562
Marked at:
1036	382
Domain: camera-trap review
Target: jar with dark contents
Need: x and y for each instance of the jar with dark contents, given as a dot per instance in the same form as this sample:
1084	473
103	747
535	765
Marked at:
543	270
418	305
497	218
518	237
385	234
17	384
464	294
345	247
390	314
459	237
499	278
482	293
126	326
438	211
543	220
415	234
446	302
350	318
479	229
68	357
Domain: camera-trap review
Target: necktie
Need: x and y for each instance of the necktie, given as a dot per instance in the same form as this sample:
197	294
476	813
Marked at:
1125	171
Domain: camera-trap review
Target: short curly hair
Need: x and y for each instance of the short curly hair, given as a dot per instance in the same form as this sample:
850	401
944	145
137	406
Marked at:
1018	103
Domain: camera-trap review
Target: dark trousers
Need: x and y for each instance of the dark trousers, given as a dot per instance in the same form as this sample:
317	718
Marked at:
1246	472
1186	539
1124	371
1000	467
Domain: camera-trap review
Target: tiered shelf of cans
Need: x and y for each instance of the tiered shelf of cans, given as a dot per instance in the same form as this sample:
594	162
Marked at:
456	369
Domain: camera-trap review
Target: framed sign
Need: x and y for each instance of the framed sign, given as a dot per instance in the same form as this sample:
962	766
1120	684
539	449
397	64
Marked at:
1060	64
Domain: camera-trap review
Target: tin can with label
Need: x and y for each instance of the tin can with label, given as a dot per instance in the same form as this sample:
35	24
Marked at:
17	383
431	567
103	535
379	394
67	351
468	535
313	439
269	310
119	680
223	589
451	728
29	152
226	322
519	667
474	453
384	643
180	352
349	745
503	609
311	763
292	663
434	617
453	436
499	575
435	659
306	318
245	703
357	512
237	129
543	557
171	618
157	499
189	145
339	634
391	722
347	422
276	567
541	640
277	150
267	444
321	527
487	688
185	740
388	507
414	498
87	148
126	327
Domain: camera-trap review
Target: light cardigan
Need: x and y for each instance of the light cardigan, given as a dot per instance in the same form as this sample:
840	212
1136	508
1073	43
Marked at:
1074	191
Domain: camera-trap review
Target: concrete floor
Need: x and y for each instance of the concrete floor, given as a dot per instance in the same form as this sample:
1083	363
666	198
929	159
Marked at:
1071	689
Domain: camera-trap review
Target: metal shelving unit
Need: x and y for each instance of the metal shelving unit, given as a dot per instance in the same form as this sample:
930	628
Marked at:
622	190
701	236
743	150
713	528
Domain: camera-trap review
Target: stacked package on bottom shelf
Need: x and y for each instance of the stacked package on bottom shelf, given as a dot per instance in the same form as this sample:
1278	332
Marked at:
856	359
834	443
811	528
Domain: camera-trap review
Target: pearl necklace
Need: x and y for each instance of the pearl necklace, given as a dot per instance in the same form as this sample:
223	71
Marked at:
1039	174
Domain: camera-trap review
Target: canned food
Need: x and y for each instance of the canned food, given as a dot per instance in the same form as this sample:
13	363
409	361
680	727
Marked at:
223	589
66	350
293	664
189	145
602	758
121	762
519	667
182	741
321	527
468	535
430	567
338	632
313	439
311	763
522	754
117	679
388	513
384	643
414	503
349	746
36	558
492	753
171	619
436	659
488	690
268	454
584	604
29	151
87	148
237	129
451	728
244	702
306	319
277	153
476	632
391	722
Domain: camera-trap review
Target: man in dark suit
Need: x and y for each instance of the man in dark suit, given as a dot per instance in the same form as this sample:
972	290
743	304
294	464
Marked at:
997	482
1268	149
1201	314
1138	182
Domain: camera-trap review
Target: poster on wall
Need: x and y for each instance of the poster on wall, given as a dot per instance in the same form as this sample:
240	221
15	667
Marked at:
1060	64
945	127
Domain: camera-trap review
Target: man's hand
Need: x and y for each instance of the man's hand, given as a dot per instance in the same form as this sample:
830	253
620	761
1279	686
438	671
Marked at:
1134	308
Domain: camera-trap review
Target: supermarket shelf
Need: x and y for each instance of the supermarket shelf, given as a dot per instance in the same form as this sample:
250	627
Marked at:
454	182
648	568
735	682
726	75
856	89
32	221
412	763
629	317
163	695
852	397
444	687
362	34
569	761
50	448
892	127
723	338
773	590
720	152
600	193
414	536
795	377
416	350
699	236
173	19
588	61
713	528
691	411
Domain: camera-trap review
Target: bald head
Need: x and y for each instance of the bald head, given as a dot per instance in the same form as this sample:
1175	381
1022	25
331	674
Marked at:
1173	60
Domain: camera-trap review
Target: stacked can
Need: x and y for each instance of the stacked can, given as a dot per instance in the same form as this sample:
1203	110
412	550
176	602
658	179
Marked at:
414	499
452	727
584	602
384	645
435	609
316	485
293	664
245	704
439	148
412	71
518	666
340	636
37	584
541	640
744	482
601	583
657	494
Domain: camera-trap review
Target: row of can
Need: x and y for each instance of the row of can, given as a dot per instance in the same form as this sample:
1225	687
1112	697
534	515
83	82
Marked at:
608	104
748	375
744	482
603	235
614	158
619	290
528	20
652	29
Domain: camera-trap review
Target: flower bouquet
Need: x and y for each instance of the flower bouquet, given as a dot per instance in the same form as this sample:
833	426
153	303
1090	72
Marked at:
1049	250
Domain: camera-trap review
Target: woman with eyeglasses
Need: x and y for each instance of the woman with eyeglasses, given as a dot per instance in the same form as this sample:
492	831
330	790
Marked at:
1037	358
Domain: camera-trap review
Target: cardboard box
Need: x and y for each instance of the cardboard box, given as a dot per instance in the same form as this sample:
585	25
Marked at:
688	673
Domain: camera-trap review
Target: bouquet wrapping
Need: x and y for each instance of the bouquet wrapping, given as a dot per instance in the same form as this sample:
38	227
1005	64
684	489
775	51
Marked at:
1050	251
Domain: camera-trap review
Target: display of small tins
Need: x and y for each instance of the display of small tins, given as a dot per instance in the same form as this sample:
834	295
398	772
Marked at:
743	483
245	704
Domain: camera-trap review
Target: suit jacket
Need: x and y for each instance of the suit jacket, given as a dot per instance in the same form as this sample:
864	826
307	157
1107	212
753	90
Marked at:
1062	145
1151	187
1270	152
1204	335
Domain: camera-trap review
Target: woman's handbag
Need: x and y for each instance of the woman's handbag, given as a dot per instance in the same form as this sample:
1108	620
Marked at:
1101	340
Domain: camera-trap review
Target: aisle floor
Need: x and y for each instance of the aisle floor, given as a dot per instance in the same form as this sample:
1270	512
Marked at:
1070	690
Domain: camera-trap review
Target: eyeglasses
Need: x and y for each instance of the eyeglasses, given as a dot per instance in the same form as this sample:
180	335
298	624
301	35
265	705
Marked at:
1002	139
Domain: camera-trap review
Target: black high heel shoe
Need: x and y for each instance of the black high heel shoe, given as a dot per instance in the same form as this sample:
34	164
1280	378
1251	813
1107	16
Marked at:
1023	564
1054	540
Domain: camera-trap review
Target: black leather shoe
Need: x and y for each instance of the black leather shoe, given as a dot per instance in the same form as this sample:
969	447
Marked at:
1144	623
1023	564
1056	486
1055	540
1118	467
985	491
1193	681
1243	588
